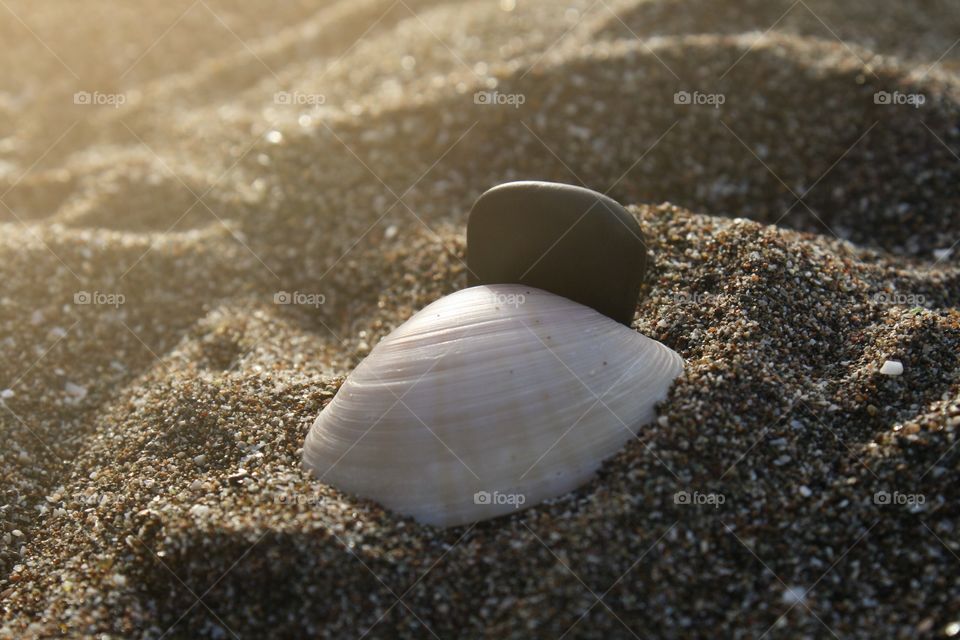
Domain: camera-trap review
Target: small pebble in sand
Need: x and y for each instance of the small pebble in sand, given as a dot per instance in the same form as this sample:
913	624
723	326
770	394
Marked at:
892	368
794	595
6	394
75	390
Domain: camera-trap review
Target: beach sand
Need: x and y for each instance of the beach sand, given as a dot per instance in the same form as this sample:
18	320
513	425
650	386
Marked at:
167	170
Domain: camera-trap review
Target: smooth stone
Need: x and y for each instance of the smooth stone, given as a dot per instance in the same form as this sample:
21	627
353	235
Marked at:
571	241
892	368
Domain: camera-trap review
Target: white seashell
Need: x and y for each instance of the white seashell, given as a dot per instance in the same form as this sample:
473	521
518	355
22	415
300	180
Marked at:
494	398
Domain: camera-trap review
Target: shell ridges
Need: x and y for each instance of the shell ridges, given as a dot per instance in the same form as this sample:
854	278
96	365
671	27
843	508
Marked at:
493	398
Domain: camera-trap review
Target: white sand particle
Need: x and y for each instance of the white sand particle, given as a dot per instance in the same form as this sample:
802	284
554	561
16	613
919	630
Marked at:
892	368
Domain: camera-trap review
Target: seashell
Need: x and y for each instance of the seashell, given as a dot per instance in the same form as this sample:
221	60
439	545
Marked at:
514	390
492	399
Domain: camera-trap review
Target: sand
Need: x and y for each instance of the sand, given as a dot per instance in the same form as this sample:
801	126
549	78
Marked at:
155	397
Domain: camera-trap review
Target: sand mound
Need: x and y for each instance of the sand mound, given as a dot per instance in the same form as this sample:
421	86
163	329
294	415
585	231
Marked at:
157	396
